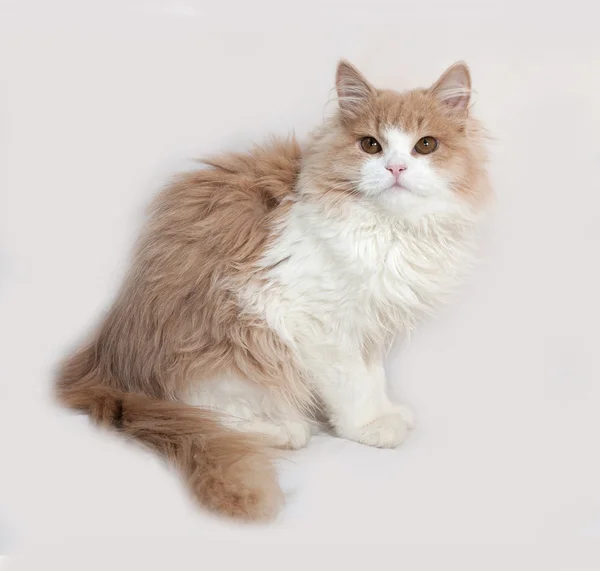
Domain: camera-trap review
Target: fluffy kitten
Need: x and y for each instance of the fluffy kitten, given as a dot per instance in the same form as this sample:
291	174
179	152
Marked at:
270	285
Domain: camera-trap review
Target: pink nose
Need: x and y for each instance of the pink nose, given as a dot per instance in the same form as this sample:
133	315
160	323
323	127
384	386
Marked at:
396	169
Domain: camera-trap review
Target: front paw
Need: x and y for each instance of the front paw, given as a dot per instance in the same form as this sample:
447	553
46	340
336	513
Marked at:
387	431
406	413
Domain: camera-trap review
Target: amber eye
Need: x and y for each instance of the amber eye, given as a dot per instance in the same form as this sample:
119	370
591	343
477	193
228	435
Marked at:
426	145
370	145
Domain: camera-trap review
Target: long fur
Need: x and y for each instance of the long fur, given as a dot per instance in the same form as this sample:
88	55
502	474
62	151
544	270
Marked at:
268	286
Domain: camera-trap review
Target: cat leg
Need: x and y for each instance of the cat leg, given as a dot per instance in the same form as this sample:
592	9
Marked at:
248	407
283	433
356	400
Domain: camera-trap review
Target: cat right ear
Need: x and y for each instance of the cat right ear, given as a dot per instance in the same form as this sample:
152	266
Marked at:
353	90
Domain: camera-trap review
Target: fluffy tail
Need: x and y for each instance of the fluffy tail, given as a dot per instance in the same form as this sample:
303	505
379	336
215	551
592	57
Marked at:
227	471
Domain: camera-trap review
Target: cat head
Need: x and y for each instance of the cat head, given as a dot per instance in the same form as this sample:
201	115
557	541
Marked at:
409	153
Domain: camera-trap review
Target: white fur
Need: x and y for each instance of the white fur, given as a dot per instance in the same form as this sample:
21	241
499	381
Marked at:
340	286
250	408
426	190
349	283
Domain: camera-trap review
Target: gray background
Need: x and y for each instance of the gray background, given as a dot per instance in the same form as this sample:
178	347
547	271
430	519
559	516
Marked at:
100	101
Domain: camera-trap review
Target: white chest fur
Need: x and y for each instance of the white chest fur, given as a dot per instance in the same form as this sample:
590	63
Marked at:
357	278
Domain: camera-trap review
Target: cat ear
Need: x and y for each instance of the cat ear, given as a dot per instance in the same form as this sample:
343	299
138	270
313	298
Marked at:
453	88
353	90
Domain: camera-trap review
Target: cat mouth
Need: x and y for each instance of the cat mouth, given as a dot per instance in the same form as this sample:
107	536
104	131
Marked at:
398	187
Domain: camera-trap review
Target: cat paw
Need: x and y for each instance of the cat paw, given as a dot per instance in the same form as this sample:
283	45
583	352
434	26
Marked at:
406	413
296	434
290	434
387	431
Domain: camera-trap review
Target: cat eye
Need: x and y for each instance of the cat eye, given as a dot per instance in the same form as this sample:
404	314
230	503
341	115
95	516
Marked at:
426	145
370	145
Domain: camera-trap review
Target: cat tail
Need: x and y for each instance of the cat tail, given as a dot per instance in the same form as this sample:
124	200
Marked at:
229	472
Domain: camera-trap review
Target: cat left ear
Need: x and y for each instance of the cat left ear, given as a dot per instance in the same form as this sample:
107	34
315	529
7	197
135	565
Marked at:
453	88
353	90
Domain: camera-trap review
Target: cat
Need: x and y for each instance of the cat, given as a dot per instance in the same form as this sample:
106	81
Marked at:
268	286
